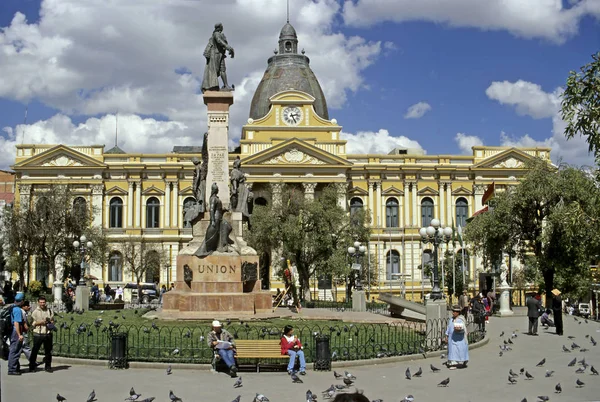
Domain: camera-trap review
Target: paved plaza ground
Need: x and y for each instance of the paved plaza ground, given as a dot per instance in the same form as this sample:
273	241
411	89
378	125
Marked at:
484	380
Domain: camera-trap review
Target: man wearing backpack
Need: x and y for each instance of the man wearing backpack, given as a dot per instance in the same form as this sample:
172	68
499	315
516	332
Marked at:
16	338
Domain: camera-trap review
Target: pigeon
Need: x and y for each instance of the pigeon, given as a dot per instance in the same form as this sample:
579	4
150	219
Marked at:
582	362
528	376
350	376
565	349
187	334
92	396
524	400
511	342
348	382
433	368
580	370
60	398
511	380
593	341
571	337
407	373
549	373
169	371
572	362
408	398
148	399
337	375
501	334
513	335
418	373
522	371
544	398
340	387
541	363
512	373
154	326
558	388
238	382
583	350
133	396
296	379
260	398
579	383
500	354
506	343
594	371
175	351
574	346
174	398
444	383
332	388
310	397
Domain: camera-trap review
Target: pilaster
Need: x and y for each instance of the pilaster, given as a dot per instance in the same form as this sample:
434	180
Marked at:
130	202
371	184
97	192
276	189
175	209
25	195
309	190
478	190
167	212
379	202
406	204
138	203
441	204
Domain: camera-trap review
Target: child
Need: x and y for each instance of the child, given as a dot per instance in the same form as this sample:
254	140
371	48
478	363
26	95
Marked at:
290	345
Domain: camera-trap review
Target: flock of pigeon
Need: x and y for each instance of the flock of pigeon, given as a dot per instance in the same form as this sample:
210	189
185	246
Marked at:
133	396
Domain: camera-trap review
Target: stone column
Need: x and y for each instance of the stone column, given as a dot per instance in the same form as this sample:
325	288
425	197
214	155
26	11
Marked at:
441	205
309	190
167	213
415	209
341	191
138	203
276	189
175	209
371	209
218	104
25	195
479	189
406	204
379	202
97	191
449	206
130	205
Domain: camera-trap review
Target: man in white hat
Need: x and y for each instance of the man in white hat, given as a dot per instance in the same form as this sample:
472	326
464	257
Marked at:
224	343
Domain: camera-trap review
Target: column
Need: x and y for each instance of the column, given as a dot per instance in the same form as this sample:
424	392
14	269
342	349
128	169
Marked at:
442	215
371	209
479	189
138	203
175	209
449	207
97	191
309	190
341	191
406	204
130	205
415	209
25	195
167	212
379	201
276	189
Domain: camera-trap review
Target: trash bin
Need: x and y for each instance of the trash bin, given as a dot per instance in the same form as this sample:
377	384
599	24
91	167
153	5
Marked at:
323	354
118	351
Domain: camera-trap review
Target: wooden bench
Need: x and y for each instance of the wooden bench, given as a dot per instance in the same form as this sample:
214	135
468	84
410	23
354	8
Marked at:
257	350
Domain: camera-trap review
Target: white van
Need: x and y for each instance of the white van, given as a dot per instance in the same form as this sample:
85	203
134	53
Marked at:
584	310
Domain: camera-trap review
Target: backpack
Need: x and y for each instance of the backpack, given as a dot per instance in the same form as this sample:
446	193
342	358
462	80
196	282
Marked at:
6	321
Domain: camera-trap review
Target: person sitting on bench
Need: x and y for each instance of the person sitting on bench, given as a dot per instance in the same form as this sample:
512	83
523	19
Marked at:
290	345
224	343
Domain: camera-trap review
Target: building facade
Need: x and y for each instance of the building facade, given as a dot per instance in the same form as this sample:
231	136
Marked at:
289	139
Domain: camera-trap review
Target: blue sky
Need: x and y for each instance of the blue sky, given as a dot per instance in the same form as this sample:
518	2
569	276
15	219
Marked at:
485	74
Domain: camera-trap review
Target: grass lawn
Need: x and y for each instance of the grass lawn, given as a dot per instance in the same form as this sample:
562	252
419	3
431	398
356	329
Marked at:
85	336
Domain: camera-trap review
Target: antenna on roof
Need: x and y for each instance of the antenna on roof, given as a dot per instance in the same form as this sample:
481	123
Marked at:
116	128
24	123
288	11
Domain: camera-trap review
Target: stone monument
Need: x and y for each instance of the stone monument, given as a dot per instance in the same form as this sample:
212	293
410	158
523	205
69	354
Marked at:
504	289
217	273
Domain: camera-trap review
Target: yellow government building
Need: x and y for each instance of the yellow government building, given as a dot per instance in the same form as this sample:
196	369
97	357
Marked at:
289	139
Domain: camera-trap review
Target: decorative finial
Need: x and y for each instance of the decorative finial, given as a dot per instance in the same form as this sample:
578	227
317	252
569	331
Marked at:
288	11
275	51
303	51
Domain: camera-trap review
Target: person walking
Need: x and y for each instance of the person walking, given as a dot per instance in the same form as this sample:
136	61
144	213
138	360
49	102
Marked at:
534	306
16	337
557	311
463	302
456	338
478	310
42	335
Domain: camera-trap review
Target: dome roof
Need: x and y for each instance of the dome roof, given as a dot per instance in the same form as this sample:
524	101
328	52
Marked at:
287	70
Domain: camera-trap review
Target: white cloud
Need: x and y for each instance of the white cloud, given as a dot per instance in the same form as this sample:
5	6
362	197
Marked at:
95	57
531	100
417	110
466	142
548	19
528	98
380	142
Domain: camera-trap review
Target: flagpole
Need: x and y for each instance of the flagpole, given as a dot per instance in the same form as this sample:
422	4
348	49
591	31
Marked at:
453	272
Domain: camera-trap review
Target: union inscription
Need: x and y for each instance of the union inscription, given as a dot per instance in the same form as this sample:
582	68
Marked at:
217	269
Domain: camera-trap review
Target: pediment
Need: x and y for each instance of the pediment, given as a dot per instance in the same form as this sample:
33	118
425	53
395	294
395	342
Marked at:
428	191
512	158
358	191
295	152
116	191
462	191
60	156
152	190
393	191
187	191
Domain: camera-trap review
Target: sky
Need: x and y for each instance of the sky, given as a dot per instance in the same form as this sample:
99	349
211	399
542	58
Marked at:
438	75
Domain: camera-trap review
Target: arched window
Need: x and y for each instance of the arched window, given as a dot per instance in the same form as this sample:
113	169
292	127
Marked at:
288	47
391	210
462	212
152	274
152	212
80	208
187	203
392	262
427	264
426	211
261	201
115	213
356	204
115	267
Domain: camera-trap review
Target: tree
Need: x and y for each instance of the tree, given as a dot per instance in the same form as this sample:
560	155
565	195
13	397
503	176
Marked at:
456	258
580	107
553	214
142	258
313	234
19	240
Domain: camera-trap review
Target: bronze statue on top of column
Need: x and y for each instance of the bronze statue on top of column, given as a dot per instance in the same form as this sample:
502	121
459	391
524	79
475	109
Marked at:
215	54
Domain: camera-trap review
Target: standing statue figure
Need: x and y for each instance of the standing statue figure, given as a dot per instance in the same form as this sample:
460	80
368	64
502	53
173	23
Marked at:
240	194
217	233
215	61
200	173
503	274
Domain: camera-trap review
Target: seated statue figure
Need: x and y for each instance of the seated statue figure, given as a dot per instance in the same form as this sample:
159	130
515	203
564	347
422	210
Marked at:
217	234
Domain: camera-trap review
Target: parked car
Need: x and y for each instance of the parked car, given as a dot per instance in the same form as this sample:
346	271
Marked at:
583	309
150	292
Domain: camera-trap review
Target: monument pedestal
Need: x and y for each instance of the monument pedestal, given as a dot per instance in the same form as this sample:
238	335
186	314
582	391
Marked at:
82	298
57	292
505	301
436	321
359	301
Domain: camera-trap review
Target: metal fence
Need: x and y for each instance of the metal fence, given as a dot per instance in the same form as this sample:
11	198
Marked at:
372	307
155	343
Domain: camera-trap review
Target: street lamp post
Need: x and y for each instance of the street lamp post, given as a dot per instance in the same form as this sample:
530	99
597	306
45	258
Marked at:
82	293
436	235
357	251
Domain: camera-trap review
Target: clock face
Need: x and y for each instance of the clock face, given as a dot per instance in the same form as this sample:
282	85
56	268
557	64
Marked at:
292	115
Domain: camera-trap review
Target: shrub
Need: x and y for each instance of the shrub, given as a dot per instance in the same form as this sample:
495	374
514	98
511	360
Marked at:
35	288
